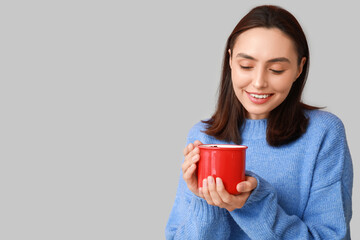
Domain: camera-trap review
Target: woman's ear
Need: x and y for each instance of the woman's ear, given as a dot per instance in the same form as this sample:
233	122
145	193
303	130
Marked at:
230	62
301	66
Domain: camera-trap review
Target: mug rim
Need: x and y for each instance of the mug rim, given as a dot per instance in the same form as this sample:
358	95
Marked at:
222	146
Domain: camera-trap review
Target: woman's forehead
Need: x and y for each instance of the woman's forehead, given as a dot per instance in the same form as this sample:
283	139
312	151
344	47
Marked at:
264	43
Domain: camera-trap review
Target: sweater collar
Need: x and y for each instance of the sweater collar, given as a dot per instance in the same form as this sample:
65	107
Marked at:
253	129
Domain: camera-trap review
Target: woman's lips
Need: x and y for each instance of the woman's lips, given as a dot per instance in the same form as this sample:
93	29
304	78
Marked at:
259	98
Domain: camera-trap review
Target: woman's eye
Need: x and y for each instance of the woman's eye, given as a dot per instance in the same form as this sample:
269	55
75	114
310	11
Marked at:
246	67
277	71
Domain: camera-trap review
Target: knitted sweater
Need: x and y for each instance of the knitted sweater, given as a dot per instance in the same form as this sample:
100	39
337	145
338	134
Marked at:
304	188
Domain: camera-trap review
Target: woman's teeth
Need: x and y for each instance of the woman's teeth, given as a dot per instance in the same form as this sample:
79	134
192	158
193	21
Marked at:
260	96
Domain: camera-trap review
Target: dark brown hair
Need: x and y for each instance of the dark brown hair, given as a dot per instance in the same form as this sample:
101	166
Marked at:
287	122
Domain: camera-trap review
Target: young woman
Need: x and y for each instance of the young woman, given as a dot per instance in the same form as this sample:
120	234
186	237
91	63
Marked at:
299	183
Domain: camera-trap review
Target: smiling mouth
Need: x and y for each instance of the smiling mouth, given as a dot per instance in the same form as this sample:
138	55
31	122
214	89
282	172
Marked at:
260	96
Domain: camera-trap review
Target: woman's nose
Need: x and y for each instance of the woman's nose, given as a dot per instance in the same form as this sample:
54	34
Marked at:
260	79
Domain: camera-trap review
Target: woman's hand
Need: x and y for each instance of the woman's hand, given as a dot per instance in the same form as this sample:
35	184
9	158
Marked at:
192	156
215	193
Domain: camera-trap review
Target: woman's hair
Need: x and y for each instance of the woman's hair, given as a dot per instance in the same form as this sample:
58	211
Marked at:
286	122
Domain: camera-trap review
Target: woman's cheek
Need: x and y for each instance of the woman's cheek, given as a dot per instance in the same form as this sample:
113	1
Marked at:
240	79
282	85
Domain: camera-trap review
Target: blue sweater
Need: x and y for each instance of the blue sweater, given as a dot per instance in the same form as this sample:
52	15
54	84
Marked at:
304	188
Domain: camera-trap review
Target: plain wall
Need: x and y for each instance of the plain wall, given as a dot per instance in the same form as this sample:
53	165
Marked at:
97	98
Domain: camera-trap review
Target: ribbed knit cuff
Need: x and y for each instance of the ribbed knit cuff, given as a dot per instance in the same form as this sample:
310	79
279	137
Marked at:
257	215
204	211
262	190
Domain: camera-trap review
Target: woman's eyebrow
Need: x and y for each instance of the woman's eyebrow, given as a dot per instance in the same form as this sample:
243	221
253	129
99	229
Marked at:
243	55
279	59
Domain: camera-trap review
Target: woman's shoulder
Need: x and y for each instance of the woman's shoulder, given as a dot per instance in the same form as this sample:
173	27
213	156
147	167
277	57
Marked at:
199	126
322	120
197	132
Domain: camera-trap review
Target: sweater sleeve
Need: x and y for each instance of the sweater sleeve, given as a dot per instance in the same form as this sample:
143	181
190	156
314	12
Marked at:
328	211
191	217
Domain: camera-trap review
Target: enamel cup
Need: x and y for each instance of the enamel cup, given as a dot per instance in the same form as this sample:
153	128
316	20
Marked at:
225	161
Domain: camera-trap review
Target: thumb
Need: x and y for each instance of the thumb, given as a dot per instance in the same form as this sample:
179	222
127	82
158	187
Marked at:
248	185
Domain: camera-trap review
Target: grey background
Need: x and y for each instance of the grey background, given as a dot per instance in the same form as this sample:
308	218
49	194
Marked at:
97	98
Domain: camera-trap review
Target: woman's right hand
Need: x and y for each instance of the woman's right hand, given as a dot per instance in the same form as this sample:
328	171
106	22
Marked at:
192	156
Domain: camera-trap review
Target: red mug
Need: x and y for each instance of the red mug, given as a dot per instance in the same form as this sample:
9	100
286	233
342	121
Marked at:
225	161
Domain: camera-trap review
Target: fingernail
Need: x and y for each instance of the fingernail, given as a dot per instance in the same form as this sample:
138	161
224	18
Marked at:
218	181
204	183
241	187
211	180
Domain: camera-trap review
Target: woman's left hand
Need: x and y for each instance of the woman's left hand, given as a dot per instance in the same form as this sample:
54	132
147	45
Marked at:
214	192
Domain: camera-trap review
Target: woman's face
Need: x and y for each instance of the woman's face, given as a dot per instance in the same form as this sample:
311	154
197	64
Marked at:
264	65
